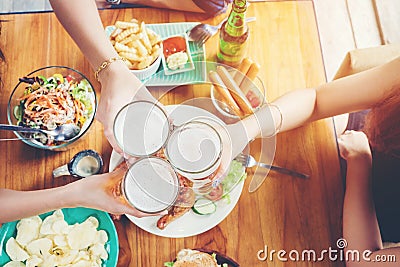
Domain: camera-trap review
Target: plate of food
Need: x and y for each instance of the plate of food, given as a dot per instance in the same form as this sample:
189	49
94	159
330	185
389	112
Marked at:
201	257
206	213
197	54
176	56
79	236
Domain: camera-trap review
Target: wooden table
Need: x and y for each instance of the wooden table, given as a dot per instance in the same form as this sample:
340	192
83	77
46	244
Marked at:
285	213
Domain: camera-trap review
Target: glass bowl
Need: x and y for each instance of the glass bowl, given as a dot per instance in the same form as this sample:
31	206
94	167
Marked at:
255	93
84	95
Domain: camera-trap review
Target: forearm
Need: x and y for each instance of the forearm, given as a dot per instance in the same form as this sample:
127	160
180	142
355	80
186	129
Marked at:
360	225
81	20
184	5
287	112
357	92
16	205
349	94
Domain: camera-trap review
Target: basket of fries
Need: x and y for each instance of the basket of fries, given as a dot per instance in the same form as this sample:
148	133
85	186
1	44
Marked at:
139	45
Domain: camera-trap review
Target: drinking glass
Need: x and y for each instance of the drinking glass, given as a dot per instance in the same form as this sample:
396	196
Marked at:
150	185
141	128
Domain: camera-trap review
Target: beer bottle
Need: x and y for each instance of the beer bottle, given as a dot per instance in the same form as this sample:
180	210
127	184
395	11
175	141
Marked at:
233	35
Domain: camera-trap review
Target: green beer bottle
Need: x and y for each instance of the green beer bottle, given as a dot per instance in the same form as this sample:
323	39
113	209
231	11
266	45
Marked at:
233	35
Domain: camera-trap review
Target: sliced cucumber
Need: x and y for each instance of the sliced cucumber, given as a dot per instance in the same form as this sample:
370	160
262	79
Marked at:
204	206
17	112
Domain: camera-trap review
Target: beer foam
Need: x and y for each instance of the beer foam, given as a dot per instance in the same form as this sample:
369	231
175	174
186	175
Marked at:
141	129
151	185
195	147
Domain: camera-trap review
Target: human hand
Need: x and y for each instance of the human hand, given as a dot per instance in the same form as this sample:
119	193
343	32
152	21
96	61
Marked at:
119	87
234	140
103	192
353	144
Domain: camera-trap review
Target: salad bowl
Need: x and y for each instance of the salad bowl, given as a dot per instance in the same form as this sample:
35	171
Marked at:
50	97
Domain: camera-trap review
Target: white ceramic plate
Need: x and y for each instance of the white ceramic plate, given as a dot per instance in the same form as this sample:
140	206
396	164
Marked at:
189	224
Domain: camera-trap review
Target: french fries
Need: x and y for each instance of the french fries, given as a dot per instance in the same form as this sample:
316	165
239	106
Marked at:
133	41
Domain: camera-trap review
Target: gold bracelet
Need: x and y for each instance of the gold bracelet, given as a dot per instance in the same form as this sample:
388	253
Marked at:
105	64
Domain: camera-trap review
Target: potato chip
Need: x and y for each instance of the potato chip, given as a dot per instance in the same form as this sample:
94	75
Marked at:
40	247
82	235
49	261
67	257
59	226
47	224
93	221
83	255
102	237
33	261
52	242
28	230
14	251
60	241
14	264
83	263
98	250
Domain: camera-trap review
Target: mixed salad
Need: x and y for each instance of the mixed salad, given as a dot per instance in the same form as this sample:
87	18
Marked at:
206	205
53	101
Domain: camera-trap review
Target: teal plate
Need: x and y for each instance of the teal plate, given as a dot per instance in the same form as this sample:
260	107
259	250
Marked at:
71	216
165	30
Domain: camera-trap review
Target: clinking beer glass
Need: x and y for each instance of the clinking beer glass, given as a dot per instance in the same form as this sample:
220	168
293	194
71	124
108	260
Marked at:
142	129
194	149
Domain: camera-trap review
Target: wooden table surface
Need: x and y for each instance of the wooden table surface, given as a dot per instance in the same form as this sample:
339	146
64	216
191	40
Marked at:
286	213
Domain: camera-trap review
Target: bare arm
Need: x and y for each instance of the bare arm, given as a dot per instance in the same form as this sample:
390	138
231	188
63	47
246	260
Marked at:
98	192
119	86
360	225
19	204
352	93
81	20
184	5
357	92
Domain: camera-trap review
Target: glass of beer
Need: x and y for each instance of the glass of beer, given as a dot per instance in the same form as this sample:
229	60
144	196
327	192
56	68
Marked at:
194	149
141	128
150	185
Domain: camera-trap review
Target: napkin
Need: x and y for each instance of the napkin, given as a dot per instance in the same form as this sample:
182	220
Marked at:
362	59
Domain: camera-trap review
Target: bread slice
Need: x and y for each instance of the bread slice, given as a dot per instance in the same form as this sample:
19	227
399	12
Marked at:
194	258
